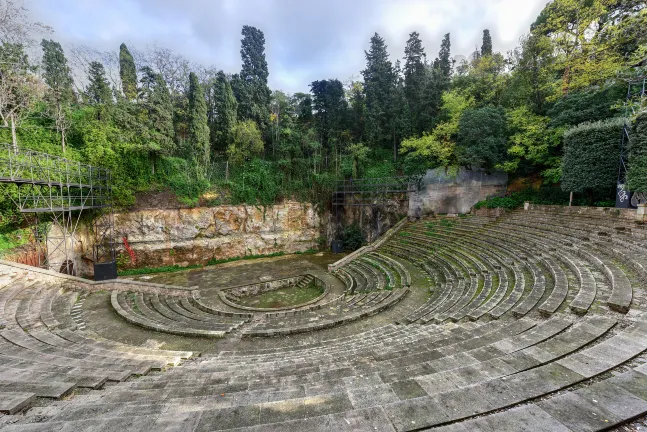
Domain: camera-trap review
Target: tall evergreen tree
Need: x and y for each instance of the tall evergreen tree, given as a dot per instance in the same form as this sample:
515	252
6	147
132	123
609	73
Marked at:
58	77
225	107
330	105
486	48
444	61
127	73
379	86
414	79
401	117
98	90
198	130
437	81
252	91
156	102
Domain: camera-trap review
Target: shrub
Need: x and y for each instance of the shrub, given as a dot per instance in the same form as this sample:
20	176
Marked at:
353	237
590	162
637	175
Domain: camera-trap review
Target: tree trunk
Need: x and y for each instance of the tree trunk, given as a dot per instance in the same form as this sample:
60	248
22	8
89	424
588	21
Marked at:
14	139
63	139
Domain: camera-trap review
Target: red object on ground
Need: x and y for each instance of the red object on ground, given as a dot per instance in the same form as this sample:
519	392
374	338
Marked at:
130	251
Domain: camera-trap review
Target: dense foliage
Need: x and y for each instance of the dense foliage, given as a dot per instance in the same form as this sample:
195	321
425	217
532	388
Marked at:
637	175
590	160
158	121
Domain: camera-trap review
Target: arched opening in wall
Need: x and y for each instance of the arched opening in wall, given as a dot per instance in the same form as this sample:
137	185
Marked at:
67	267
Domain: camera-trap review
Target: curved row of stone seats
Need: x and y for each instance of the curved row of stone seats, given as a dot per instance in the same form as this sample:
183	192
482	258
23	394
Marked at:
503	365
170	315
40	358
340	311
558	292
373	271
621	295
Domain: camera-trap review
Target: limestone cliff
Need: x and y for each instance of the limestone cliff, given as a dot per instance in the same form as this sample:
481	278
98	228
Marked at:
195	235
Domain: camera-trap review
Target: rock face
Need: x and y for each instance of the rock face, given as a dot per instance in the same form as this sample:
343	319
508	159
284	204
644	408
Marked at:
193	236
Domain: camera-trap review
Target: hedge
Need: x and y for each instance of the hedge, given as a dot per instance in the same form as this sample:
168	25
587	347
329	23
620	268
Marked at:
591	156
637	175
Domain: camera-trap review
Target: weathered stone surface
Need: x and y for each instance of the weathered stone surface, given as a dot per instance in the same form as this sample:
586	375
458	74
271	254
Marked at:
195	235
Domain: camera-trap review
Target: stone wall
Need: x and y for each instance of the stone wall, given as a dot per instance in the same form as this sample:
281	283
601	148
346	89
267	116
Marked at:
196	235
610	212
444	192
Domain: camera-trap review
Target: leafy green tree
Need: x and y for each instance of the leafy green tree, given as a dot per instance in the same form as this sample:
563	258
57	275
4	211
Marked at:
98	90
590	162
481	139
225	107
303	104
198	130
379	86
486	46
637	175
253	93
329	103
588	106
247	143
414	80
359	155
438	147
357	110
127	73
20	90
533	146
60	95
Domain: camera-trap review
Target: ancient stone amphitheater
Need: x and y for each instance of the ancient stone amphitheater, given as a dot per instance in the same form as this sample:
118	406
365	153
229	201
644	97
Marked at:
530	321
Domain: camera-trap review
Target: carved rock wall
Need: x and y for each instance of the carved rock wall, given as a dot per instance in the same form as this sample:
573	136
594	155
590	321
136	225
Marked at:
193	236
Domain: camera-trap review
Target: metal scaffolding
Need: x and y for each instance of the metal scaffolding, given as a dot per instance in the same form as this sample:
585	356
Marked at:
54	192
379	194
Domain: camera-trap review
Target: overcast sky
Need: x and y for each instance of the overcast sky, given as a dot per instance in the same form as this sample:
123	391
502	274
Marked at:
305	39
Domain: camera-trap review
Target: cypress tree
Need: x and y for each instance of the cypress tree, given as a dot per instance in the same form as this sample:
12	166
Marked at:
156	101
57	75
486	48
198	124
444	62
414	79
253	93
225	107
56	72
98	90
127	73
379	87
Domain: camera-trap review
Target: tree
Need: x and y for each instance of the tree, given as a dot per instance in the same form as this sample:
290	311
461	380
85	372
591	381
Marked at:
359	155
637	175
246	143
486	47
20	89
127	73
98	90
155	101
57	76
414	80
225	107
534	147
444	62
379	86
438	147
16	28
437	81
253	93
590	162
481	141
329	103
198	128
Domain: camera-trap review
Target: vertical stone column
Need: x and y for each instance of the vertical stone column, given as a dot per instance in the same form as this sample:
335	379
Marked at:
526	206
641	213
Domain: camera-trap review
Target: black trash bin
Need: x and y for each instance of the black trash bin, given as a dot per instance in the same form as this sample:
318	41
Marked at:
337	246
105	271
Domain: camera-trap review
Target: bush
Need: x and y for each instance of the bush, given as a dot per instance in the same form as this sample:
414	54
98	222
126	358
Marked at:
637	175
353	237
590	162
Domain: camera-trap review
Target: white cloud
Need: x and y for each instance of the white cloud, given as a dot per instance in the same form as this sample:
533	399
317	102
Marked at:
305	40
